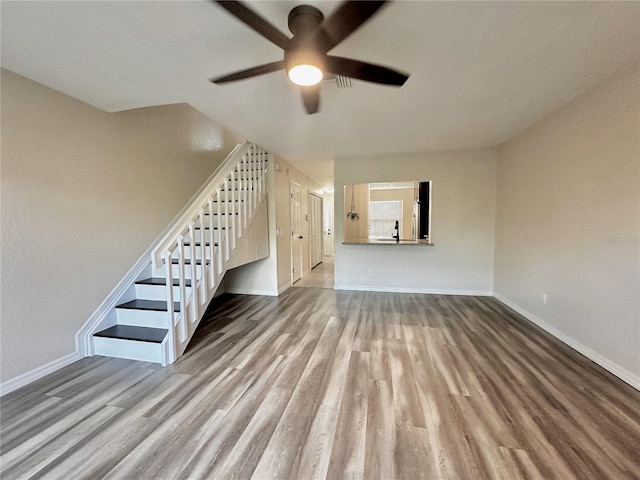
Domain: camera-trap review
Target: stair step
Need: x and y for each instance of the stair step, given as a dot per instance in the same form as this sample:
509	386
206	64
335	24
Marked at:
199	244
187	261
155	305
215	228
140	334
163	282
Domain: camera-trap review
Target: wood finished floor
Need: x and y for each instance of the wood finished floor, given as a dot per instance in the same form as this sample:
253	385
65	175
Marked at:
321	276
340	385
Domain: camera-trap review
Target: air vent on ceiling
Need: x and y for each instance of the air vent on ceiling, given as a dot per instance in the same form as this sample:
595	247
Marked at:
340	81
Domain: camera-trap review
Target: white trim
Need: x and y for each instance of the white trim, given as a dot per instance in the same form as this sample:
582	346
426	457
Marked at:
251	291
604	362
130	349
38	373
429	291
84	346
291	183
284	288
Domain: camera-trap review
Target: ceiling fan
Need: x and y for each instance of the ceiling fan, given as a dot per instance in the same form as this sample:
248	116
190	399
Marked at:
305	54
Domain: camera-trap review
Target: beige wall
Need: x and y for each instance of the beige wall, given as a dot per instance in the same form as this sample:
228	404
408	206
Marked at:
463	207
84	193
568	224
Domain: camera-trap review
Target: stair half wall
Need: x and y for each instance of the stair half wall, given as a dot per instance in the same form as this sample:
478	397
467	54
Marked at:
185	266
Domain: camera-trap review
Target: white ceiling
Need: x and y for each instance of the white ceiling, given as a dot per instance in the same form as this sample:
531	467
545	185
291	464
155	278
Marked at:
480	71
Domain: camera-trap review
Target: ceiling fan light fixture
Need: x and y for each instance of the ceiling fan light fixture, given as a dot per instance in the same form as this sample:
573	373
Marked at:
305	75
305	54
304	67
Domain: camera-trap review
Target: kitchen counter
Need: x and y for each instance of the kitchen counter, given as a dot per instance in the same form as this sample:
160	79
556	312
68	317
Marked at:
390	241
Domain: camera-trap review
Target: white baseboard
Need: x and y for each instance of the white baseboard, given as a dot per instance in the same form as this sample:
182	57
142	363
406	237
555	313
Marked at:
429	291
605	363
37	373
251	291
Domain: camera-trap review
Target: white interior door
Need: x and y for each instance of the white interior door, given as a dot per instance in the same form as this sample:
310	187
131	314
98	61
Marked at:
296	233
315	229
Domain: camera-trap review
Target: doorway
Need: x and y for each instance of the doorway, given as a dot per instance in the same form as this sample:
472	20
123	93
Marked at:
315	229
296	233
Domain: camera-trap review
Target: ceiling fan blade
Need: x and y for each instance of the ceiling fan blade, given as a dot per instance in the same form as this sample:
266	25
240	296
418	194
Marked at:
311	98
369	72
343	22
250	72
255	21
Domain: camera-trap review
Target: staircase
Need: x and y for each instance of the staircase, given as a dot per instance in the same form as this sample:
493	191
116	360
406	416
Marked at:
194	252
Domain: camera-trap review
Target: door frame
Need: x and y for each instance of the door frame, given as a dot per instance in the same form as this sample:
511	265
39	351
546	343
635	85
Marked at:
291	215
320	229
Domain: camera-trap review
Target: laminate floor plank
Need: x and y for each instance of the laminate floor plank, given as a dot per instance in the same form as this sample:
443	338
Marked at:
520	463
426	386
246	453
380	362
41	453
380	444
117	437
314	459
283	454
323	384
414	459
407	407
20	399
19	440
348	452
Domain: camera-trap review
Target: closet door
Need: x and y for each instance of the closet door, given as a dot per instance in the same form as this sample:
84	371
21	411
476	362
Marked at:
315	229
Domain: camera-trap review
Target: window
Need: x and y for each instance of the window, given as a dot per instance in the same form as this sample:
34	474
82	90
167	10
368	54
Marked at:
383	215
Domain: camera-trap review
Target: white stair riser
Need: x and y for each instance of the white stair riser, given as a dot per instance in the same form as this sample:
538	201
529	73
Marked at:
207	236
158	292
220	220
234	194
141	318
161	272
130	349
187	252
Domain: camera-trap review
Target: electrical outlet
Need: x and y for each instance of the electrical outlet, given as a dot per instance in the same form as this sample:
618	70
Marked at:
543	298
370	271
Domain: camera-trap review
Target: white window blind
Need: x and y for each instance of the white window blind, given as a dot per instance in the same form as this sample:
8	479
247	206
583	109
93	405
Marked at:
382	218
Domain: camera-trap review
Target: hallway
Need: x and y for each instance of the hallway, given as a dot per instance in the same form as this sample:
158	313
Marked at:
320	276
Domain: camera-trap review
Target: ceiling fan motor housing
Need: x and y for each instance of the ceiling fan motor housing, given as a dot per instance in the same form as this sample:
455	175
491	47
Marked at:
304	19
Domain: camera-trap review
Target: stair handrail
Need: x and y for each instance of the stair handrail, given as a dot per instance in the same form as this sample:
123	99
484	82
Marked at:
181	221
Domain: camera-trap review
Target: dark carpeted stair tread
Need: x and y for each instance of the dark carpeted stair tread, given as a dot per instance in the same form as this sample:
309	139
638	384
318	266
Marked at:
154	305
129	332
